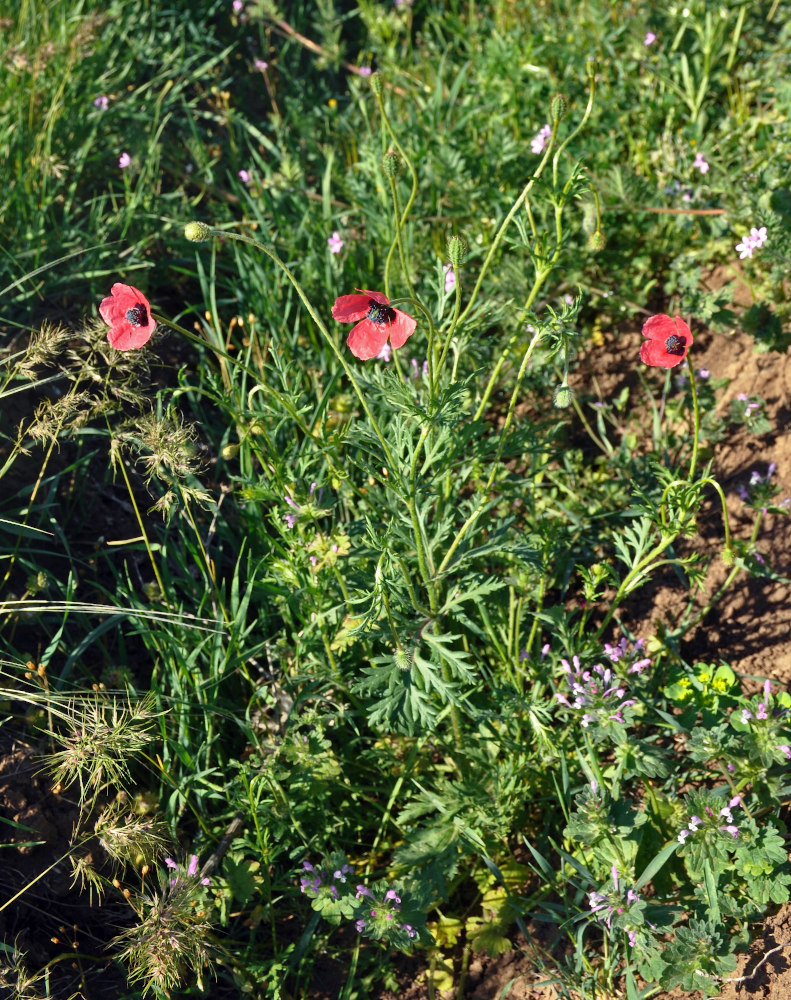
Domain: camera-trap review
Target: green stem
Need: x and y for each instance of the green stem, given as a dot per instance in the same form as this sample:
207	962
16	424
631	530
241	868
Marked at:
324	332
724	586
503	434
696	408
453	324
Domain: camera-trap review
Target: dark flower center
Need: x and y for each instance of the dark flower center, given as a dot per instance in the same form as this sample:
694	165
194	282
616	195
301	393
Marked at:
675	344
379	313
137	315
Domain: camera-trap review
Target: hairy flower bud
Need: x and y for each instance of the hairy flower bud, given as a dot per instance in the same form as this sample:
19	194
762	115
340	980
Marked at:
457	250
597	241
728	556
562	397
391	163
558	107
197	232
403	659
377	84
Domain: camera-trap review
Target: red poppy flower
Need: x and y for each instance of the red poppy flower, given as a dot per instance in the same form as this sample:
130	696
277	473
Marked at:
379	321
128	313
668	341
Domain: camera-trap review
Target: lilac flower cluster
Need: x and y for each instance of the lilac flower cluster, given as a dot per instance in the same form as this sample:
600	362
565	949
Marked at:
712	821
318	882
418	370
760	491
767	716
192	872
700	163
291	519
754	241
622	652
539	141
617	905
597	692
382	917
752	405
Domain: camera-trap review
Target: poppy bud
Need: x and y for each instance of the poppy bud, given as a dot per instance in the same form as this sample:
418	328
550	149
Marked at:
562	397
377	83
457	250
230	451
391	163
403	659
597	241
197	232
558	107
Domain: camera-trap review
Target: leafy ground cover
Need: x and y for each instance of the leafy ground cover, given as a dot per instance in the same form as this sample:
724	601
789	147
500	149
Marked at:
395	464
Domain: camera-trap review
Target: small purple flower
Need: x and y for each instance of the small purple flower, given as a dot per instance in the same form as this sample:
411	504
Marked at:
192	870
101	102
363	891
700	163
411	932
238	6
745	248
704	373
649	39
365	70
539	140
335	243
450	278
124	160
261	65
784	749
360	926
758	237
291	520
385	353
244	176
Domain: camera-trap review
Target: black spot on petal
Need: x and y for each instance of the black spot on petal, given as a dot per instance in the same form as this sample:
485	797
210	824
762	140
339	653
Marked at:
137	315
379	313
675	344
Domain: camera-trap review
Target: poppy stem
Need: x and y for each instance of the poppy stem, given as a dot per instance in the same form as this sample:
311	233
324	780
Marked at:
496	463
400	218
696	408
327	336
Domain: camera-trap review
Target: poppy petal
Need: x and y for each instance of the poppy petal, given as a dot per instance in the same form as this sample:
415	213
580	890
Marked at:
660	327
654	352
367	339
401	329
128	313
349	308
